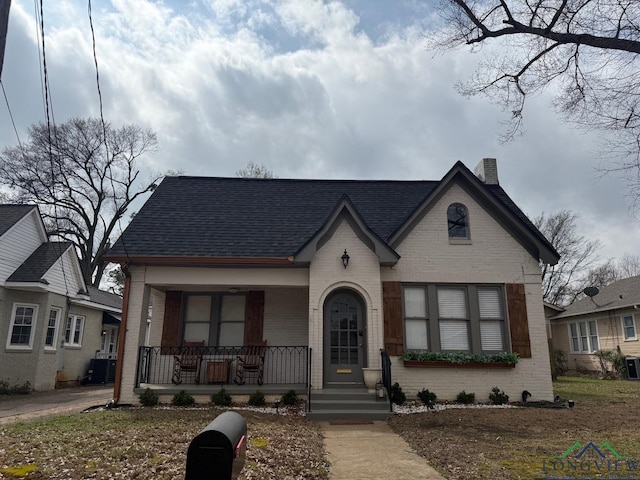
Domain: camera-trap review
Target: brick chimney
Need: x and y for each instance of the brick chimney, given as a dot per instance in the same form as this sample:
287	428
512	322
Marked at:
487	171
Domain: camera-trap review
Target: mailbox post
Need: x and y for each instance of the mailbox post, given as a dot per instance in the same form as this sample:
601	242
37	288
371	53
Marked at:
218	452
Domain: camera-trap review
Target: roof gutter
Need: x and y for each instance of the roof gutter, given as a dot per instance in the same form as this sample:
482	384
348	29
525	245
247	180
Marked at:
95	305
171	260
117	387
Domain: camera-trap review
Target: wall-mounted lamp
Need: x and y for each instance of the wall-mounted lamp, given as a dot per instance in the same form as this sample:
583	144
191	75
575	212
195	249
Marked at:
345	258
104	332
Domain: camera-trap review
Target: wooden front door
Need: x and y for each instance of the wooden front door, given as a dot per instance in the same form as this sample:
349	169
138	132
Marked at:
344	339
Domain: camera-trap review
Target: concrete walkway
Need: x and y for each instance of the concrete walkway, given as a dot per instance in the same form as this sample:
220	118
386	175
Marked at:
22	408
373	451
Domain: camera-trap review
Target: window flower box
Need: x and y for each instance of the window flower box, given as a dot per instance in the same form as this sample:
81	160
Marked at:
446	364
459	359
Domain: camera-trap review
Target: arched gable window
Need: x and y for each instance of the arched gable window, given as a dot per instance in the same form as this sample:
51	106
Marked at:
458	221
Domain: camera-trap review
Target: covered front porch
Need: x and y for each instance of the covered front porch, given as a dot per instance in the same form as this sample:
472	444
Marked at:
203	368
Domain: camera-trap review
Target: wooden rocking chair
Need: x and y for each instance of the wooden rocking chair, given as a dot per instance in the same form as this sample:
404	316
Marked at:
252	362
188	362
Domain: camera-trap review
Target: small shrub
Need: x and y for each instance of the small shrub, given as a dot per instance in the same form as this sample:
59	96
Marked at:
148	398
397	395
257	399
221	398
427	397
560	361
466	398
182	399
612	363
6	389
289	398
498	397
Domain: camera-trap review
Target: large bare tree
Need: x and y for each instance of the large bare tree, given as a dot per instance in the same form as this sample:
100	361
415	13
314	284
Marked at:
578	266
588	50
84	176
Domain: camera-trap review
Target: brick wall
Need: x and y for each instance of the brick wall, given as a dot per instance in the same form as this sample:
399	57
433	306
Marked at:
492	256
327	274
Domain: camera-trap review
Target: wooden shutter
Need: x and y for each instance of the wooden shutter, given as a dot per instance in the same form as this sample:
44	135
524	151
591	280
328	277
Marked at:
172	326
254	318
518	322
392	311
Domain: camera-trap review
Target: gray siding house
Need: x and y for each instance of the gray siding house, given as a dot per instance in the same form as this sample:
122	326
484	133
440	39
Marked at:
51	324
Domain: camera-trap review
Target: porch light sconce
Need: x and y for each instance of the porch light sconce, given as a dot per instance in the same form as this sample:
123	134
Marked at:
345	258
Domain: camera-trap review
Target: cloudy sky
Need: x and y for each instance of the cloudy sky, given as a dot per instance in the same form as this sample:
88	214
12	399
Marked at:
309	88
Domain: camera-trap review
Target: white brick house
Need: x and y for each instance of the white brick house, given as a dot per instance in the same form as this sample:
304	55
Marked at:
343	270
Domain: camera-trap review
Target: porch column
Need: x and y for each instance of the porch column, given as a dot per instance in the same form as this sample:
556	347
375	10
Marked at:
136	325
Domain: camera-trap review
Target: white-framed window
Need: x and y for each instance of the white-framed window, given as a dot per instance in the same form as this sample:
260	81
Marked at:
583	336
218	319
453	319
457	318
416	320
74	330
629	327
197	318
231	328
109	343
23	325
491	313
458	222
51	335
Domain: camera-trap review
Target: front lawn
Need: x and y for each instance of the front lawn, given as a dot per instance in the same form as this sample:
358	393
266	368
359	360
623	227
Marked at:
520	443
151	444
512	443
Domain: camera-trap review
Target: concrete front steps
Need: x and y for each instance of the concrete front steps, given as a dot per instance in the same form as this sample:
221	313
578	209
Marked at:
347	404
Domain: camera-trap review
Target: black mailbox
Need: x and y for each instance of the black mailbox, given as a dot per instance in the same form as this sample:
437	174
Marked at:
218	452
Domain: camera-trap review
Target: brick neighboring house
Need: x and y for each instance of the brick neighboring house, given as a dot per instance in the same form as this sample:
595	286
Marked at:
607	321
341	269
51	323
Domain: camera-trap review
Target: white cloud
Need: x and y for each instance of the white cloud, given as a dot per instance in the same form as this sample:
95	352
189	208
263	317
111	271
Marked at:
308	88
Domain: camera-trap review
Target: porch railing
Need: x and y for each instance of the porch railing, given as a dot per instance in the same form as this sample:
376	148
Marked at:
282	364
386	376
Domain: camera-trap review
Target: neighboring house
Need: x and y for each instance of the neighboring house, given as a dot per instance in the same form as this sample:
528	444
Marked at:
328	273
51	323
607	321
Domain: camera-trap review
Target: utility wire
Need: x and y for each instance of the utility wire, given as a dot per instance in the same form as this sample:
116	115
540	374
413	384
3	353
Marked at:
10	114
49	116
104	127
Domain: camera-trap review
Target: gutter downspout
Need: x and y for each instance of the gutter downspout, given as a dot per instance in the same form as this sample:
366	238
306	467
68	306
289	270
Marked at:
122	335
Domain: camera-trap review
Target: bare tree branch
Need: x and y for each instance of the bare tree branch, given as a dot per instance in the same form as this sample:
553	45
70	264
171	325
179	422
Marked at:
83	185
562	283
587	50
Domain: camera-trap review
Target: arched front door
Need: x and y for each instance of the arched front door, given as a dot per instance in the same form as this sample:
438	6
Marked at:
344	339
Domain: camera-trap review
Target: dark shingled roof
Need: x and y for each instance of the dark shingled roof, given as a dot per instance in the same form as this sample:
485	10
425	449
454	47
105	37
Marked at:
34	267
105	298
10	214
243	217
624	293
238	217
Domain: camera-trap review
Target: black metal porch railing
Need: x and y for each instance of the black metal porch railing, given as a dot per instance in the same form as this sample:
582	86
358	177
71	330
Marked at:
282	365
309	358
386	376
